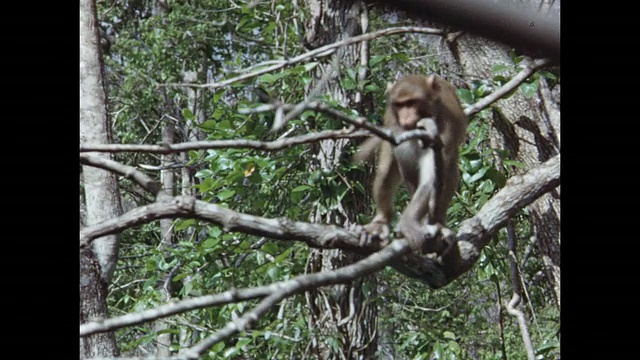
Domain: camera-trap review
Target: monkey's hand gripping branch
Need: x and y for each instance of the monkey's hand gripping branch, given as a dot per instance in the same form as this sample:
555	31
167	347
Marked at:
378	231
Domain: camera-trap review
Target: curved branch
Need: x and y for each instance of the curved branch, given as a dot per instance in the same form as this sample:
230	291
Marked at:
280	290
319	52
127	171
515	81
366	266
472	236
475	233
315	235
225	144
513	23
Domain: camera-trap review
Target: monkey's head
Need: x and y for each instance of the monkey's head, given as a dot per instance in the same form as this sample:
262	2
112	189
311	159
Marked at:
412	98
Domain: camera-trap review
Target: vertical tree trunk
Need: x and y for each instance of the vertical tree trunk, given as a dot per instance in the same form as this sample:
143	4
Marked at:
100	189
530	130
341	314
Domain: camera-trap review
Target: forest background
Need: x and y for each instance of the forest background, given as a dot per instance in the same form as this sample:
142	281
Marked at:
217	190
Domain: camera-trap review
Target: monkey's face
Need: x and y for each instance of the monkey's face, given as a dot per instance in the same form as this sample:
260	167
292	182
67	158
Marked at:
411	101
409	113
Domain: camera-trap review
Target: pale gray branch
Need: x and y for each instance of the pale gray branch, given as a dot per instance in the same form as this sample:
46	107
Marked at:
515	81
475	233
315	235
225	144
372	263
127	171
522	323
319	52
472	236
366	266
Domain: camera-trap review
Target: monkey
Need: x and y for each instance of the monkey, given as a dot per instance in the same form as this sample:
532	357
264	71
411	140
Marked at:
430	174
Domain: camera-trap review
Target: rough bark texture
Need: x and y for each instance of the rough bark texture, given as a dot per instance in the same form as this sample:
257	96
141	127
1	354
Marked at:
530	130
100	188
93	306
341	312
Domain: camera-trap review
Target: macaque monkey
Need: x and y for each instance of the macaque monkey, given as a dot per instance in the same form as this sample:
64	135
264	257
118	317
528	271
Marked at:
430	173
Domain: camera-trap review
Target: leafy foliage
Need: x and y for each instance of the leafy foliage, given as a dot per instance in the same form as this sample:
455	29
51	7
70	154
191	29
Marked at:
217	39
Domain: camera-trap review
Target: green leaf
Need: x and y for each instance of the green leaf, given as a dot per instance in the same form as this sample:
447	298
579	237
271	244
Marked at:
273	273
285	255
449	335
270	248
300	188
514	163
372	88
465	95
453	347
529	89
224	195
348	84
218	347
215	231
211	242
270	78
310	66
373	60
230	352
547	75
225	124
499	68
183	224
187	114
151	264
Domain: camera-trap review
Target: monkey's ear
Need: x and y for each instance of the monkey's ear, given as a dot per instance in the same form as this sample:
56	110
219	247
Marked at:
432	82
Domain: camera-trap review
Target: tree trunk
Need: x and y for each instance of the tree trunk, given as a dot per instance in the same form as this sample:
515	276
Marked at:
344	319
100	189
530	130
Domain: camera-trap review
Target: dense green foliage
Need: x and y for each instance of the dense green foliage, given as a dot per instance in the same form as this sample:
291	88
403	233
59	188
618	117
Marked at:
217	40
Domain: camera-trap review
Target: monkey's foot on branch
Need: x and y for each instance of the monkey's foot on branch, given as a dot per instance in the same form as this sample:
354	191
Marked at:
372	232
426	238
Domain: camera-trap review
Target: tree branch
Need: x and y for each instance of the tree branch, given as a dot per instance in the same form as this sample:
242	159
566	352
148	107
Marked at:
475	233
515	81
513	23
359	122
225	144
127	171
472	236
372	263
319	52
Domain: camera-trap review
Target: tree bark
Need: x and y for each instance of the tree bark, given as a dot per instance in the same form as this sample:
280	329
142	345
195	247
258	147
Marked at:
100	188
530	130
340	313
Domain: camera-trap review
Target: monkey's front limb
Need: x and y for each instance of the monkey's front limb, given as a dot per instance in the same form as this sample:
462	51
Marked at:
386	181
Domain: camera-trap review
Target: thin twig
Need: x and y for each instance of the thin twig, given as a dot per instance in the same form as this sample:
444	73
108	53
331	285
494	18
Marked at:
319	52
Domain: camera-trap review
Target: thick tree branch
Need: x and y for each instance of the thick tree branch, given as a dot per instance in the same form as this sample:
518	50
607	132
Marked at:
472	236
475	233
372	263
315	235
513	23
